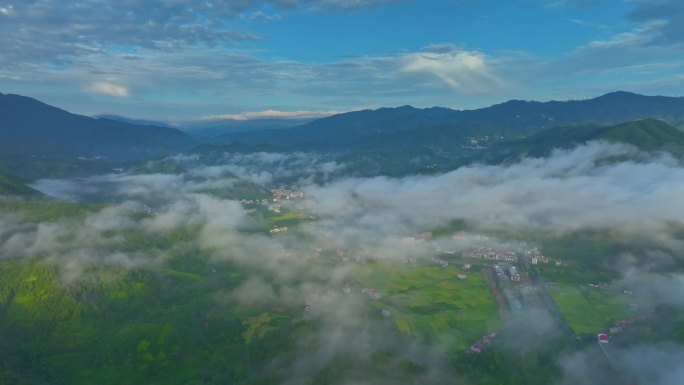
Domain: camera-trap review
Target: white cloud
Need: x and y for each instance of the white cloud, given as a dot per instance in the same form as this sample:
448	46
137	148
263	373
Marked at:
7	10
463	71
666	18
109	89
351	4
267	114
568	191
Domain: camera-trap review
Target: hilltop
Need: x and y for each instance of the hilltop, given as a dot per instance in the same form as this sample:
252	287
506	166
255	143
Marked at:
31	128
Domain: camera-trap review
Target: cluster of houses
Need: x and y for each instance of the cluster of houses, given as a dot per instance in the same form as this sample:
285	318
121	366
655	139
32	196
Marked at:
284	194
372	293
280	195
489	254
482	344
604	336
537	259
263	202
442	263
505	271
536	256
459	236
361	257
277	230
601	286
416	239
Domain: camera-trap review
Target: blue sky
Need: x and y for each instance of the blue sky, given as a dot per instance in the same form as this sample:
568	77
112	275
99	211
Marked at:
187	59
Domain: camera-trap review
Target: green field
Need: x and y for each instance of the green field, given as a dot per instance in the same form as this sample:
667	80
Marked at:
431	302
289	218
588	310
179	322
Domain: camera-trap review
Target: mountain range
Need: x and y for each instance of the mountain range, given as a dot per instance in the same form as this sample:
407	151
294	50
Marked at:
38	140
512	119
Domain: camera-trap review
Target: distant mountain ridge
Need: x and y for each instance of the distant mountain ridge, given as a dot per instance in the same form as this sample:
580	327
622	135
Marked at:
29	127
37	140
348	127
515	118
647	135
141	122
209	130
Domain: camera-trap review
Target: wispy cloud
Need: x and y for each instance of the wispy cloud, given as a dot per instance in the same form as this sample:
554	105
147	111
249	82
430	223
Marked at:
463	71
666	18
349	4
183	55
269	114
110	89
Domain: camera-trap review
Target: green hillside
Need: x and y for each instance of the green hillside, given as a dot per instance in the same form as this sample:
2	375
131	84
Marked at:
14	187
31	168
647	135
31	128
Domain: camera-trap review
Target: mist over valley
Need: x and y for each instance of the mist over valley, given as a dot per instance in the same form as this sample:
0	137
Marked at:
341	192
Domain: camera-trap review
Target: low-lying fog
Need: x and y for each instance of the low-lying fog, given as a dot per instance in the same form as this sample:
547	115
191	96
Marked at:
599	186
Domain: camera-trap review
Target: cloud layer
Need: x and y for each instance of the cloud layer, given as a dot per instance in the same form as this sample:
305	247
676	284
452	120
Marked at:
598	186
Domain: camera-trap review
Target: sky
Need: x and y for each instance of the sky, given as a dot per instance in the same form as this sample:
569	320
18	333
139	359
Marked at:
177	60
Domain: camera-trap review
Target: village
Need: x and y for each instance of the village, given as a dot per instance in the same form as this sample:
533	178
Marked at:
504	273
509	269
279	196
510	273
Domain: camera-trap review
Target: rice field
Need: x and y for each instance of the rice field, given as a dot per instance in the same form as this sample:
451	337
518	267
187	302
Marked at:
589	311
432	302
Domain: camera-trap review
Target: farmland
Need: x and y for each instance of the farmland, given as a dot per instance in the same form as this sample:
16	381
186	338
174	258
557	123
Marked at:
432	302
590	306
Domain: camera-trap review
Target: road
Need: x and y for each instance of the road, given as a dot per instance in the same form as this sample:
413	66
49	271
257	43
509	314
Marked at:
550	304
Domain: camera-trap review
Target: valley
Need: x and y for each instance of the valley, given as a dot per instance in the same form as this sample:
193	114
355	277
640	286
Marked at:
341	192
256	265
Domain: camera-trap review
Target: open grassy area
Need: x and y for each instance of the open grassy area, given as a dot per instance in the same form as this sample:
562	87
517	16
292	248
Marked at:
590	311
577	310
431	302
285	219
